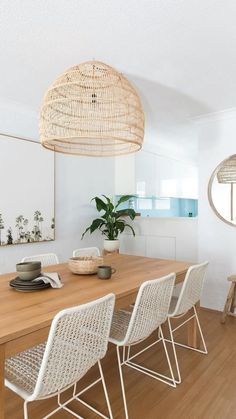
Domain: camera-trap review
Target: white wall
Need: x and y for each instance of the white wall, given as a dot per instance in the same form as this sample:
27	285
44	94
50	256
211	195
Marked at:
78	179
125	174
217	240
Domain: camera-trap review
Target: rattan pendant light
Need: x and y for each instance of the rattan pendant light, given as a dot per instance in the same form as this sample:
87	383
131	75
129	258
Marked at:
92	110
227	172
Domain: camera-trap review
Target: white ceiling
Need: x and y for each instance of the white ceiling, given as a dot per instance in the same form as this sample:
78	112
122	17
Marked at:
179	53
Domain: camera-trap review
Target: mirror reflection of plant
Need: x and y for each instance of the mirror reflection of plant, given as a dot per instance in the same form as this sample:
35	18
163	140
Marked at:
28	237
9	236
36	233
26	222
112	222
37	229
22	226
19	226
38	217
41	223
1	228
24	235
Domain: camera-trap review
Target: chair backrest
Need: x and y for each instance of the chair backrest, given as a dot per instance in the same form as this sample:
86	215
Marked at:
191	289
45	259
78	338
87	251
150	308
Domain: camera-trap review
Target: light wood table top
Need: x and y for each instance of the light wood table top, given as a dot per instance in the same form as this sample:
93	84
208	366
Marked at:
25	318
22	313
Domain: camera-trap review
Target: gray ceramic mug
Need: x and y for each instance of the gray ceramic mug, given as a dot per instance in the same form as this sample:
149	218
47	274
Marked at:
105	271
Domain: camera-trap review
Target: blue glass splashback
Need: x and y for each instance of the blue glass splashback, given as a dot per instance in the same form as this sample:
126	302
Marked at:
162	207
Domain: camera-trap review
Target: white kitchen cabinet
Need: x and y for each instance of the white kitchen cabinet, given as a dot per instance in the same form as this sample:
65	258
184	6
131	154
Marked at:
165	177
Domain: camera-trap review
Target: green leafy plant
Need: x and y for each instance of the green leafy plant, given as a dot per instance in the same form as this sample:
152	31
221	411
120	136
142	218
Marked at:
111	221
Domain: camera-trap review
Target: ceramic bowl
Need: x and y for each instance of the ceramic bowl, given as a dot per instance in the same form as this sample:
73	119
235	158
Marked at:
28	266
27	271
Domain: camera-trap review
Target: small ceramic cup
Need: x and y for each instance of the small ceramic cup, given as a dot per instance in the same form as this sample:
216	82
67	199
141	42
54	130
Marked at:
105	272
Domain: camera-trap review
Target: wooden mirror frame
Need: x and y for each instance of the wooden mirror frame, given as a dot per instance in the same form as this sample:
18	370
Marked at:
210	189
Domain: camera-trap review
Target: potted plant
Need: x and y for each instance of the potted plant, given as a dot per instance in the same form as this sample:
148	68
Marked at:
112	221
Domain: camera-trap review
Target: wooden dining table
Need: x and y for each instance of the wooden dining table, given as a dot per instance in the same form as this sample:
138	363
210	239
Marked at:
25	318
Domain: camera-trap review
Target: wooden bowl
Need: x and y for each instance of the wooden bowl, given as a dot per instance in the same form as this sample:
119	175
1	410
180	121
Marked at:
84	265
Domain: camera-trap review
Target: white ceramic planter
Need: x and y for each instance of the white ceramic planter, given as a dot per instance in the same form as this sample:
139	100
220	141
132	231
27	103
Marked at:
111	245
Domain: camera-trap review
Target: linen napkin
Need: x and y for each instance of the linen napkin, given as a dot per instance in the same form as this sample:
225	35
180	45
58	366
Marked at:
52	278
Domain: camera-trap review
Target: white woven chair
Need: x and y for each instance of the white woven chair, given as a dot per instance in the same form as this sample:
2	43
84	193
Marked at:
87	251
189	296
130	328
45	259
77	340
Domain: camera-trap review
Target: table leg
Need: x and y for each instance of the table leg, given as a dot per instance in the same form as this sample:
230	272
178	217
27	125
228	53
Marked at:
232	306
193	332
2	386
228	304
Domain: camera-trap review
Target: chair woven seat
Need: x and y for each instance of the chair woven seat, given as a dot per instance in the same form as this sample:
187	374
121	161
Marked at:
120	323
22	370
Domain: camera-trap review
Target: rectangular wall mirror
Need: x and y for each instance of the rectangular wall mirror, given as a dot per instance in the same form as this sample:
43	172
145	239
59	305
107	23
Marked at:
27	186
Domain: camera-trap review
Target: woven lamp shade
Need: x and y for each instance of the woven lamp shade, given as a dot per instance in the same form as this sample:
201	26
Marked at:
227	173
92	110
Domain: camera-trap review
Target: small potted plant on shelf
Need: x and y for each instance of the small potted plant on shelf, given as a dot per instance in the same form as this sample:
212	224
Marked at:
112	221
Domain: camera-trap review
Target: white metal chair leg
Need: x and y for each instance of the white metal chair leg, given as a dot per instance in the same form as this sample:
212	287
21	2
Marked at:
202	351
200	331
128	354
172	341
63	406
25	410
123	355
170	381
122	383
76	396
105	390
167	356
151	373
178	380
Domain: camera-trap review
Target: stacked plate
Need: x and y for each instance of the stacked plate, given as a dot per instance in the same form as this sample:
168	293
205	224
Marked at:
28	286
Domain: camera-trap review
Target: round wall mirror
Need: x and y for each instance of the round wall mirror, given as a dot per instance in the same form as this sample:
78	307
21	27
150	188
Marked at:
222	190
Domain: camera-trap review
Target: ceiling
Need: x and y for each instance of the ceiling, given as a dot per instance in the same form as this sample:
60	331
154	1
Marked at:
179	53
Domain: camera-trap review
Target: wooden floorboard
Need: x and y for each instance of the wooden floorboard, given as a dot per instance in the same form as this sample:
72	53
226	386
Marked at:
207	391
